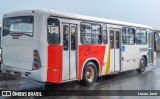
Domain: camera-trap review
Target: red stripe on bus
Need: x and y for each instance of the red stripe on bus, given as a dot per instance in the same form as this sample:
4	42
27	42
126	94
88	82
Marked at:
54	72
90	51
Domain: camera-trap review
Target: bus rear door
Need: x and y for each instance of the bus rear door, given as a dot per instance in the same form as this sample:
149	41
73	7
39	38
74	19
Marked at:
69	51
115	50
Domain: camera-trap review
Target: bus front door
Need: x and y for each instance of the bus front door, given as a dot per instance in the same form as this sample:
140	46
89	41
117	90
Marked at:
115	50
150	47
69	52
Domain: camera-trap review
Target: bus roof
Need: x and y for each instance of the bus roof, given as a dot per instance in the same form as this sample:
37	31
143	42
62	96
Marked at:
79	17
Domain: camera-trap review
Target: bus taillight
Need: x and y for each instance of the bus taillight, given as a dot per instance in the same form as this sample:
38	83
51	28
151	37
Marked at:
36	60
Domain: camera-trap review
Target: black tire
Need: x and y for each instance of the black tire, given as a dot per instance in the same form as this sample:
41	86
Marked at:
142	65
90	74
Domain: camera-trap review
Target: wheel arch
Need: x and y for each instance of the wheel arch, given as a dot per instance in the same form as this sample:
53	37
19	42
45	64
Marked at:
95	61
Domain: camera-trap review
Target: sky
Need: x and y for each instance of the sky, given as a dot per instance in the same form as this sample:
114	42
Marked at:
137	11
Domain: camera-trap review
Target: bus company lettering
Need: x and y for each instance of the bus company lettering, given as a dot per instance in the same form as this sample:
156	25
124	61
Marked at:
143	49
88	52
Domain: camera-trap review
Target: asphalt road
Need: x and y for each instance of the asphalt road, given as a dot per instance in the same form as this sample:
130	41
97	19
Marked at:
130	80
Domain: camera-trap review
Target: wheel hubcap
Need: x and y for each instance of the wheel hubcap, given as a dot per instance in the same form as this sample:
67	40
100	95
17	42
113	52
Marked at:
142	64
90	73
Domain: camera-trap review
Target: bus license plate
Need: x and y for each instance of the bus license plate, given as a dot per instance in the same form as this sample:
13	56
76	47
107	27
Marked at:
17	74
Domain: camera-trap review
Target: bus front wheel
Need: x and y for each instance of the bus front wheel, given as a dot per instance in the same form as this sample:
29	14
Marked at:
90	74
142	65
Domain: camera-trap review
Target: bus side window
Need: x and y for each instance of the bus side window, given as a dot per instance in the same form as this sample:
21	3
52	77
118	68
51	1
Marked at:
128	36
117	39
91	33
131	36
73	41
124	36
141	37
65	37
111	39
53	31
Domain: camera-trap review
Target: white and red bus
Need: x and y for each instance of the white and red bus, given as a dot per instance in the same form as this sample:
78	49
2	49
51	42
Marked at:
55	47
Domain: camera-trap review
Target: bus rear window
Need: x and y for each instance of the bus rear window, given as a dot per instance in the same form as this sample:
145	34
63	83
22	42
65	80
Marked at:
18	25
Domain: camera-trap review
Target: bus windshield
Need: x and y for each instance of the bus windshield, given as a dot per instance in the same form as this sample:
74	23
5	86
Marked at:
18	25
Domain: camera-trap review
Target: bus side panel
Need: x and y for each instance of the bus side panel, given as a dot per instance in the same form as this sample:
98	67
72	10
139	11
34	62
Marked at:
130	58
54	73
92	52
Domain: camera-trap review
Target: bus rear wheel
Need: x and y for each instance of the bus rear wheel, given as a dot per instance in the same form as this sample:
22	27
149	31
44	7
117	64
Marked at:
90	74
142	65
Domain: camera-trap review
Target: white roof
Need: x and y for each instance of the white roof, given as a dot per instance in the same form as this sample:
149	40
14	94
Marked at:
82	17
